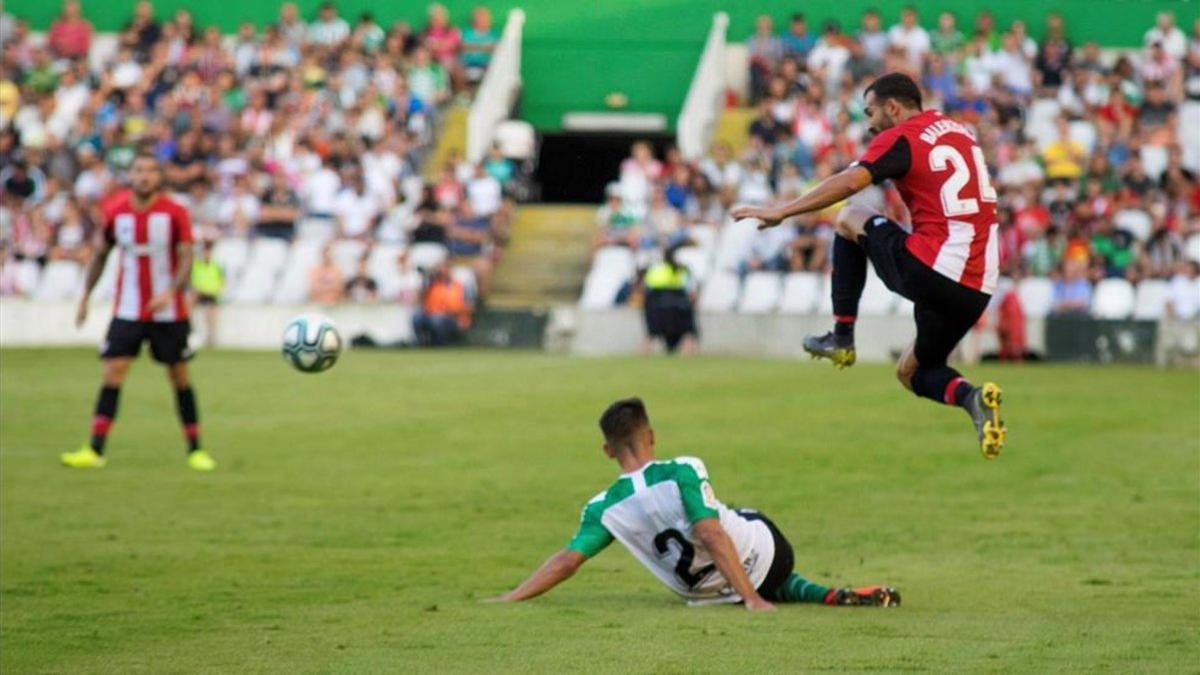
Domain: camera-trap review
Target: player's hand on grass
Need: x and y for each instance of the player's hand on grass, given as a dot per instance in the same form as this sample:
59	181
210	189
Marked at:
160	302
769	217
81	312
758	604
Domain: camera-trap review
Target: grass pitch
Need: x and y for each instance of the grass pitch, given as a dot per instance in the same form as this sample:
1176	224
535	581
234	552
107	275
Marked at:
359	517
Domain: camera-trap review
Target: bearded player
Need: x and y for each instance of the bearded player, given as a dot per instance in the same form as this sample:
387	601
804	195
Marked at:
666	514
154	235
947	266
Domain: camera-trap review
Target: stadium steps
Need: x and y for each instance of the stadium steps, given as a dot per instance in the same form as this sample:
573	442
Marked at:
733	127
547	256
452	136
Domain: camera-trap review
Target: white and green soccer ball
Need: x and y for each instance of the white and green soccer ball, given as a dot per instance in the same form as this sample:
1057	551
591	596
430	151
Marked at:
311	343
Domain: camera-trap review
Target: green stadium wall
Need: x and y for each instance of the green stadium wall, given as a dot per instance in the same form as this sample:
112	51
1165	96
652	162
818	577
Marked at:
576	53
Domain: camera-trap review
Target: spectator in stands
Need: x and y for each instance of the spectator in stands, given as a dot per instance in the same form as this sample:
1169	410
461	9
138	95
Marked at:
1167	34
769	250
765	52
326	283
238	209
1072	292
873	40
470	240
947	40
279	209
615	226
445	310
478	43
361	288
329	29
444	40
355	209
142	31
1064	156
70	35
1114	249
910	37
1183	296
797	42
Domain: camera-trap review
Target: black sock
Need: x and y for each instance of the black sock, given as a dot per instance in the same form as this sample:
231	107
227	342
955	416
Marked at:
106	412
849	278
942	384
185	401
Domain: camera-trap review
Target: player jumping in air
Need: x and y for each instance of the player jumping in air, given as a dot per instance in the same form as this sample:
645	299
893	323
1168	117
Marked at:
154	235
666	514
947	266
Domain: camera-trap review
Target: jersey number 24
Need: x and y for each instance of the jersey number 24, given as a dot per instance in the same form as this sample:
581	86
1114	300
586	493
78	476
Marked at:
942	157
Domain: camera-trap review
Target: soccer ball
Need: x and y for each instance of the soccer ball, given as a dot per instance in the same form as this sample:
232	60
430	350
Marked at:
311	343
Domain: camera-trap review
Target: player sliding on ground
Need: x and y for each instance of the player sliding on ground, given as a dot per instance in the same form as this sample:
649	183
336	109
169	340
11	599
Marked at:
666	514
154	235
947	266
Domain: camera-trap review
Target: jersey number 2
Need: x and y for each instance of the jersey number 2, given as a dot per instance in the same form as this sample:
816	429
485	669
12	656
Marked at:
952	204
687	553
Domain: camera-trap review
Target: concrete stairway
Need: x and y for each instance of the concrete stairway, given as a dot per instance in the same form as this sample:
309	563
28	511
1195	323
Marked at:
733	127
547	256
451	137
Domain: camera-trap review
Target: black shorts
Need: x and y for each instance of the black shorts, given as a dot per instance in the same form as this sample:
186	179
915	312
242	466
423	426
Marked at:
784	561
168	340
943	308
204	299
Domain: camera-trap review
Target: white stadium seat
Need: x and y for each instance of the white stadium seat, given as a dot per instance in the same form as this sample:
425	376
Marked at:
1189	127
600	289
1037	296
824	299
231	254
466	276
318	229
516	139
384	260
1134	221
720	294
27	277
801	291
1191	248
761	292
615	260
876	299
1150	301
733	245
704	236
1113	299
293	283
263	267
1084	133
426	256
696	260
1154	160
60	281
346	254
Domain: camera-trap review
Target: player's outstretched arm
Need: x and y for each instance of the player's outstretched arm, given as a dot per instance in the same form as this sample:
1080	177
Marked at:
725	557
95	268
553	572
828	192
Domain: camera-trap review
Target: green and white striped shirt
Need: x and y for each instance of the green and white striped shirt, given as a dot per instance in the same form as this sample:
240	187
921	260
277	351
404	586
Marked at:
651	512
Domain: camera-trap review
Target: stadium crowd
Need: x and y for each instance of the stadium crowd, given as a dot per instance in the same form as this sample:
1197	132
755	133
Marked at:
303	128
1095	177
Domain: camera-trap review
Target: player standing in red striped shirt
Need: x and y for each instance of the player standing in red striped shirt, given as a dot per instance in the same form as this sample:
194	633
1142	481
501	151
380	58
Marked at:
947	265
154	238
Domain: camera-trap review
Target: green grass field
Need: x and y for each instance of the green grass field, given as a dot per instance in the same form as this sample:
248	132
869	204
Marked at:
360	516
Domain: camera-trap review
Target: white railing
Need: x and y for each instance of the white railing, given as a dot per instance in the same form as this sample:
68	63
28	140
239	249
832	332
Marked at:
498	92
705	96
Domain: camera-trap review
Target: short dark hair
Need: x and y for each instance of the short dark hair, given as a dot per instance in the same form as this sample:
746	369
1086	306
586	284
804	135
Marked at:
798	16
896	86
622	419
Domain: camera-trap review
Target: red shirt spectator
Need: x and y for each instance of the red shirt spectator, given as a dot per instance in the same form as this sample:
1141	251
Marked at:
442	39
71	35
